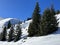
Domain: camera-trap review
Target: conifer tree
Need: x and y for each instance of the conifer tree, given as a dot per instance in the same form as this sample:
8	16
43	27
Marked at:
0	36
52	10
10	35
53	20
17	35
4	34
9	25
49	23
45	22
34	26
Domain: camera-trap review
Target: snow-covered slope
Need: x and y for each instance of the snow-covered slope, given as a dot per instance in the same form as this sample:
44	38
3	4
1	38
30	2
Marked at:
4	22
52	39
24	27
25	24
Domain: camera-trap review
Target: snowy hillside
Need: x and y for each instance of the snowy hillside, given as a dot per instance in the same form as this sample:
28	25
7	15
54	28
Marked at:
52	39
4	22
24	27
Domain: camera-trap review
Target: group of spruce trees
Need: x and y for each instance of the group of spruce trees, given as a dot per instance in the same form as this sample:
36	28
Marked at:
43	24
13	34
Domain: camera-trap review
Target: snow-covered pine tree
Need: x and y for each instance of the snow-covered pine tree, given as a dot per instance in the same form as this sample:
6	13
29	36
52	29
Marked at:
17	33
3	34
10	35
34	26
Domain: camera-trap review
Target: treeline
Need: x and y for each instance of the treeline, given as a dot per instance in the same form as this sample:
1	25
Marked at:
43	24
11	33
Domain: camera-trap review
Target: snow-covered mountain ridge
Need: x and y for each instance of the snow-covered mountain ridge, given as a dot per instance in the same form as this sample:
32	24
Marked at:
4	22
12	20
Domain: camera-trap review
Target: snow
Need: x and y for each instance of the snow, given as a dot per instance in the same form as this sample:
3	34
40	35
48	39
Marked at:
52	39
26	24
58	18
24	27
4	22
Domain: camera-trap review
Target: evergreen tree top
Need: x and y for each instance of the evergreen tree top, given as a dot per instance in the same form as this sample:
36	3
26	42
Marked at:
36	10
52	10
52	6
47	10
37	6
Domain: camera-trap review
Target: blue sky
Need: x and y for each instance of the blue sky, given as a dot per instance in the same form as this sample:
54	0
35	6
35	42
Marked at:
22	9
